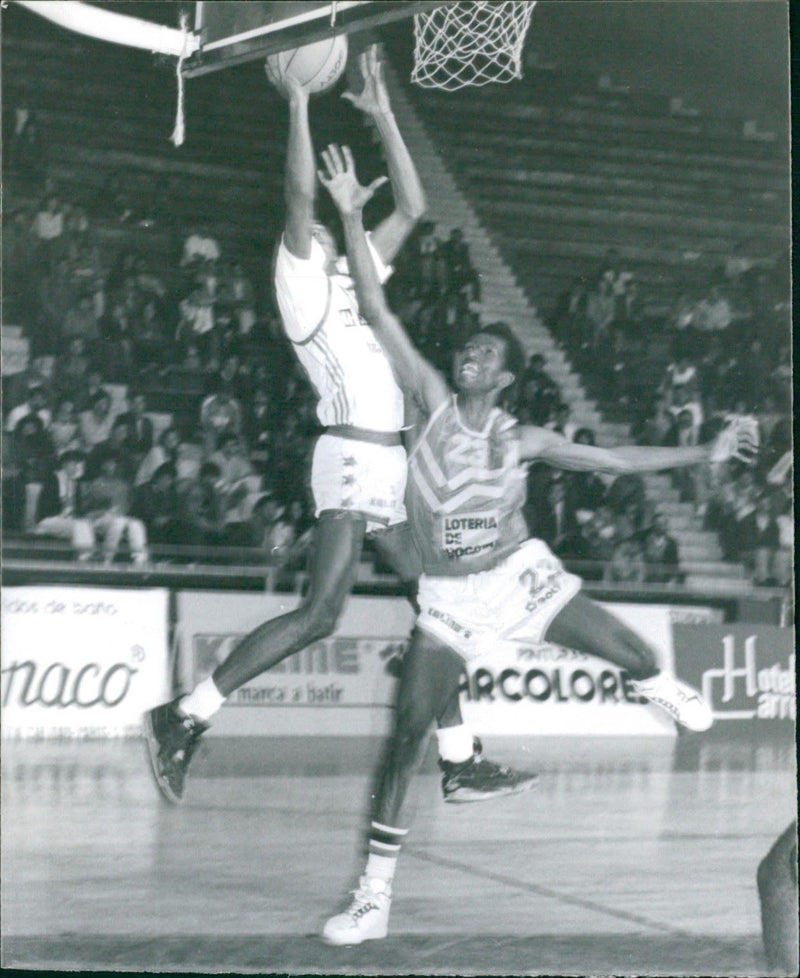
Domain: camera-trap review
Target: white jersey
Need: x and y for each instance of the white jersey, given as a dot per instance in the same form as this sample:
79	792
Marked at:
336	346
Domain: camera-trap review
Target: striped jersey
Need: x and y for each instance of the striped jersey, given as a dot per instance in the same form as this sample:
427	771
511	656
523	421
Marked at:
335	345
465	492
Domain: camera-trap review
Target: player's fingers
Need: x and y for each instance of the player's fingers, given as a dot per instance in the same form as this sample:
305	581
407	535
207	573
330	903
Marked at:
372	57
323	178
363	64
350	163
329	164
336	154
349	96
378	182
331	160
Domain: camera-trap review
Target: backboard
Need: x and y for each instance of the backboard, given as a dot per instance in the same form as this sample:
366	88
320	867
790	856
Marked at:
246	30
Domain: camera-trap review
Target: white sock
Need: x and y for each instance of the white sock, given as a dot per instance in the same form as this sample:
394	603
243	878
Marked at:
381	867
455	743
204	700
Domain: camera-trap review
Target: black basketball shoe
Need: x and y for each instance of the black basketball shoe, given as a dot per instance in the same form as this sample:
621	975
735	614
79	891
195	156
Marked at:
477	779
171	737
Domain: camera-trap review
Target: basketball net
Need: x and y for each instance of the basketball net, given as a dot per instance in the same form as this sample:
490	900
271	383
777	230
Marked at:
472	42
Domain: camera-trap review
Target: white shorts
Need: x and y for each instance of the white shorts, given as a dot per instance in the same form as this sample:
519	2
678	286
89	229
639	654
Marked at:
359	477
517	599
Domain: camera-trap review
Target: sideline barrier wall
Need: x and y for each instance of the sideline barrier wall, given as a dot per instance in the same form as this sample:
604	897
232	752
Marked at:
82	662
345	684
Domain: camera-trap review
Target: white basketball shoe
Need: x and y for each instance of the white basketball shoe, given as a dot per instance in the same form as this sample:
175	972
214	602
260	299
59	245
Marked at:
367	917
684	704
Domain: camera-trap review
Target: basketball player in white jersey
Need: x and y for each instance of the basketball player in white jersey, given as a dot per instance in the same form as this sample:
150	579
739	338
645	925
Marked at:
483	579
359	466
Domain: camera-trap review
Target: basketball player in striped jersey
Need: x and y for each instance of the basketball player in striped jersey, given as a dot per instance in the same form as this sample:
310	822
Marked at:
359	466
483	579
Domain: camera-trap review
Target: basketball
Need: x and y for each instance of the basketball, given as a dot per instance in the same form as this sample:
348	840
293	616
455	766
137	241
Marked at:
316	66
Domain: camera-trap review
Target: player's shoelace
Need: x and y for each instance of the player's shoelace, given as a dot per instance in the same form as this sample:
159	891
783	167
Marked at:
364	900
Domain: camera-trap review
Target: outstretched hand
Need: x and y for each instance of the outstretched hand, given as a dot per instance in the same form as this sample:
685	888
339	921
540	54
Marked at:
339	179
373	97
738	439
287	84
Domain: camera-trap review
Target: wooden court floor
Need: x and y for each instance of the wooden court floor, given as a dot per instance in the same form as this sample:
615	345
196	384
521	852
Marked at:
631	857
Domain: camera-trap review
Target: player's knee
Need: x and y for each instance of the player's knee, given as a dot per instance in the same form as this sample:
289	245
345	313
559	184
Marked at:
321	618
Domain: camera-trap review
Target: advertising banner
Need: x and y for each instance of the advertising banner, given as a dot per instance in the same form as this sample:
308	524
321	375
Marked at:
747	672
340	685
82	662
344	684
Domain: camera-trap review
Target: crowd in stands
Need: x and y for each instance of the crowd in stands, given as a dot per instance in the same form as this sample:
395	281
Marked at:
87	460
728	354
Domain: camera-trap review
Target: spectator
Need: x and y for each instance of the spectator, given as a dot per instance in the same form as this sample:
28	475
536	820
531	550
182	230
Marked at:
151	345
97	421
759	540
171	447
34	403
65	431
141	426
198	323
32	453
258	428
234	377
203	508
236	483
598	540
601	310
81	321
585	491
713	312
71	378
538	393
94	385
48	226
687	418
556	522
108	507
220	414
661	553
681	373
149	285
734	502
239	299
119	445
626	564
157	503
199	248
263	517
61	501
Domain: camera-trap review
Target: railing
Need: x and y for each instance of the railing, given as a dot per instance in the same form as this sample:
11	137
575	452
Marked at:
39	561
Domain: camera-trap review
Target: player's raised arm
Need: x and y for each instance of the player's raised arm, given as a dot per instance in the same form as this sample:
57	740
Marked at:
738	440
300	177
409	197
412	369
